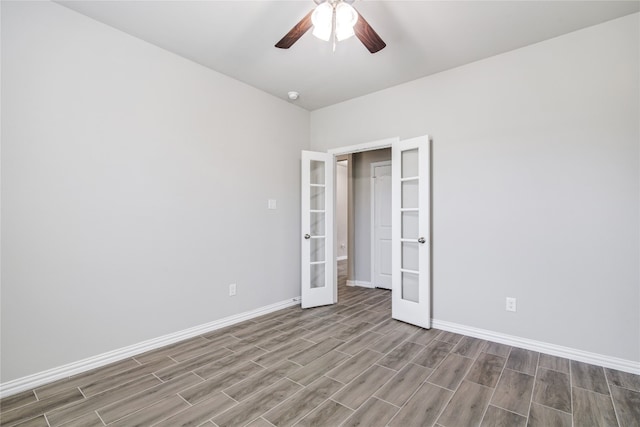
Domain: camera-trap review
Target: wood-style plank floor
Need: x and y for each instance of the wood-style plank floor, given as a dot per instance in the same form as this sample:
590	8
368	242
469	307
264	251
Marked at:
343	365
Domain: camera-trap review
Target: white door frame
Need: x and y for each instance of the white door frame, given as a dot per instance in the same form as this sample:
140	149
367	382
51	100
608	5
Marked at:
373	214
351	149
367	146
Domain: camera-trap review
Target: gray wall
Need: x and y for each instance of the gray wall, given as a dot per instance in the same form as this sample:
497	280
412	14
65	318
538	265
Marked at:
362	209
535	185
125	214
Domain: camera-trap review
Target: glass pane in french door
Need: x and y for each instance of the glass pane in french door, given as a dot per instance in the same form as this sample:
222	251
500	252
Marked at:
410	289
410	163
317	214
410	225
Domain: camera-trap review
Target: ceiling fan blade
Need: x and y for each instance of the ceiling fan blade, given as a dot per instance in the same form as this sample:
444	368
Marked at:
369	38
296	32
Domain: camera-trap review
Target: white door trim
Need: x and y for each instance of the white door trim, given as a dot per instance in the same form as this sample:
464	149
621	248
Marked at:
366	146
373	214
339	151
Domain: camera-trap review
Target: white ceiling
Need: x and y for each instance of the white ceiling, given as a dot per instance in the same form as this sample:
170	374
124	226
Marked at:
237	38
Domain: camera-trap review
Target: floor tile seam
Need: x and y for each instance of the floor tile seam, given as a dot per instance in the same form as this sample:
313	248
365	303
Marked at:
386	401
426	381
192	359
254	392
173	357
292	396
623	388
475	357
510	410
41	412
554	370
555	409
23	405
244	401
131	380
377	363
393	348
349	356
533	388
484	414
444	407
593	391
145	407
145	390
570	391
466	372
267	421
261	348
93	371
39	399
372	397
253	334
138	355
21	420
413	394
185	400
133	412
76	416
345	385
381	386
288	342
521	373
233	406
432	369
613	402
12	409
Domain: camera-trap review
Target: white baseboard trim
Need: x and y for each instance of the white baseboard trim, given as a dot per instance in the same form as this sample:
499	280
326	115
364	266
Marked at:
542	347
342	258
35	380
360	283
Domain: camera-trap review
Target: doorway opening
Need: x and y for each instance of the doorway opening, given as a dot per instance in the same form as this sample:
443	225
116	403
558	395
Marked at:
363	219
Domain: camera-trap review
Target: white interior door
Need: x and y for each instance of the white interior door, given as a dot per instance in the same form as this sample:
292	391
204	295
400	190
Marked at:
381	224
411	196
318	281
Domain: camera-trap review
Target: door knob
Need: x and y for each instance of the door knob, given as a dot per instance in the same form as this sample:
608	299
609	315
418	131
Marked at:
307	236
421	240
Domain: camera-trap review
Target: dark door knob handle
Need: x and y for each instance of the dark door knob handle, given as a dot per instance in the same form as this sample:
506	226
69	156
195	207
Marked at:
307	236
421	240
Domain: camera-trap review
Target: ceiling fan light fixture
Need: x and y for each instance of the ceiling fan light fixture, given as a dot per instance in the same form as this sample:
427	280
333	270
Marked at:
346	18
334	20
321	19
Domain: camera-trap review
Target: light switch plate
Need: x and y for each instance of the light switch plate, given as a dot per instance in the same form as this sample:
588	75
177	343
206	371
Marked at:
271	204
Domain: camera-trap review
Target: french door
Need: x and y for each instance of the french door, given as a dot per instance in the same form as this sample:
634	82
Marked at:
318	260
411	233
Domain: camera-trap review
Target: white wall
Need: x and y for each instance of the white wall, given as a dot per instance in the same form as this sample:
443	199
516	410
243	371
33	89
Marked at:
362	209
535	185
134	191
342	180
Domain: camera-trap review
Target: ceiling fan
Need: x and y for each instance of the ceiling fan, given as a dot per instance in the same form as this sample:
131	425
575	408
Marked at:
337	20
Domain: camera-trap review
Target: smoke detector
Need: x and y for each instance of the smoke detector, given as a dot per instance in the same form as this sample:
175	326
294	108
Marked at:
293	95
